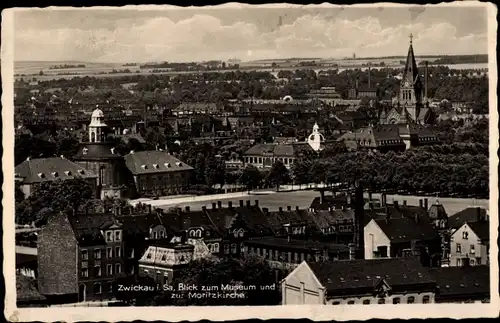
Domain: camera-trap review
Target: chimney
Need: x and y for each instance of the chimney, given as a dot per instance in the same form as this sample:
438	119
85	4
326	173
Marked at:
322	196
257	203
288	208
359	221
241	203
179	210
370	204
214	206
417	218
265	210
387	214
478	214
357	84
370	197
219	204
396	205
426	78
369	77
281	209
203	208
297	208
352	251
187	208
426	204
421	203
383	199
405	203
230	204
248	203
150	208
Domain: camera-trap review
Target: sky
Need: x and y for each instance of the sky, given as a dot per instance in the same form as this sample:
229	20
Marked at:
200	34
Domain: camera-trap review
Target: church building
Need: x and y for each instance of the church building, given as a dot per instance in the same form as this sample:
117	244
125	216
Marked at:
412	106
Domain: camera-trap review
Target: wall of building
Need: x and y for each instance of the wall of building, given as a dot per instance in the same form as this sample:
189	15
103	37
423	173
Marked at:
402	298
268	161
461	242
167	183
57	258
302	287
162	275
374	238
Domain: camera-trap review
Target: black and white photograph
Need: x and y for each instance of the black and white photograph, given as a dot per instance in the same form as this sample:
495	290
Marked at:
250	155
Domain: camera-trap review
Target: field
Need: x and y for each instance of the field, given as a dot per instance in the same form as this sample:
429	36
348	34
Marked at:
303	200
30	70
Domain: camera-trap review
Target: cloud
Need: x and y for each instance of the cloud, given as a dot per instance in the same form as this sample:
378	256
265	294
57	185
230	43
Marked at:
204	37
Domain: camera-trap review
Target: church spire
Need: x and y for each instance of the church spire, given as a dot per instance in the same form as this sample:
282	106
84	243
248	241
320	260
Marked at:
411	69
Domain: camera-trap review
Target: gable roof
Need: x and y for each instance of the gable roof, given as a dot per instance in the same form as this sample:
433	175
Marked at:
461	282
87	228
481	229
154	161
470	214
406	229
39	170
344	275
97	151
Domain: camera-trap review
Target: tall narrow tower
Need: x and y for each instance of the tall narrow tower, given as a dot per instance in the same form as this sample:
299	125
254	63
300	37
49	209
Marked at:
411	89
97	126
359	221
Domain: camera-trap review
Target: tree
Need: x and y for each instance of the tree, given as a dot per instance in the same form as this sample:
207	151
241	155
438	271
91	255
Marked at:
250	177
278	175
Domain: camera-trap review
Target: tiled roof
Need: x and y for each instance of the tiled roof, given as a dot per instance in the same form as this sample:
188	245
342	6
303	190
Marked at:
461	281
481	229
26	289
38	170
154	161
279	150
87	228
297	244
470	214
354	274
406	229
97	151
400	211
277	219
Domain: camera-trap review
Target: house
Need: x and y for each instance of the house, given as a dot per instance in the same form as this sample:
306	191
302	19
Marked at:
79	257
470	214
265	155
290	222
34	171
470	244
157	173
402	236
286	254
462	284
376	281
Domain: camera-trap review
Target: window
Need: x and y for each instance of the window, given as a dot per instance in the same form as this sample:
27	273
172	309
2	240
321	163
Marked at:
162	234
97	271
472	248
155	235
97	253
85	254
426	299
131	253
381	300
234	248
109	269
366	302
459	262
465	235
97	288
226	249
351	303
118	235
118	268
109	253
216	247
110	287
109	236
410	300
459	248
335	303
396	300
85	272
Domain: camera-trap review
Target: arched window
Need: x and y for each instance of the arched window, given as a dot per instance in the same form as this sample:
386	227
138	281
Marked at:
216	247
410	300
426	299
351	302
198	233
366	302
97	288
92	139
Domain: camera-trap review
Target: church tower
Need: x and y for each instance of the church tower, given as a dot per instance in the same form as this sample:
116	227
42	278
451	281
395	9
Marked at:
411	89
97	126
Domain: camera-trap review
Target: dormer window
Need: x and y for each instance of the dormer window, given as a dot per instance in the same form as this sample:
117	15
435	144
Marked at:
109	236
179	164
55	174
85	150
144	166
81	171
156	166
68	173
112	151
41	175
167	165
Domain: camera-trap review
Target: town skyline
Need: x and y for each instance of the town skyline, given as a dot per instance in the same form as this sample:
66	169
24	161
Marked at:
247	34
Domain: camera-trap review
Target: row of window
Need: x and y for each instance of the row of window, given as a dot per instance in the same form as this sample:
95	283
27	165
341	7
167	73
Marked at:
468	261
396	300
98	288
164	181
472	248
283	256
109	253
259	160
213	247
98	271
158	234
116	237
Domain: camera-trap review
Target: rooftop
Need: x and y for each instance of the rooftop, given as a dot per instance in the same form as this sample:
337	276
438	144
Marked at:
39	170
296	244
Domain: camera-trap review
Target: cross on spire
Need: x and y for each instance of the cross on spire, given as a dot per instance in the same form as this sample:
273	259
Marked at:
411	39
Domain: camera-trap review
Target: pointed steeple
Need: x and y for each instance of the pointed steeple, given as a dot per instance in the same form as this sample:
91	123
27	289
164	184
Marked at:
411	69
